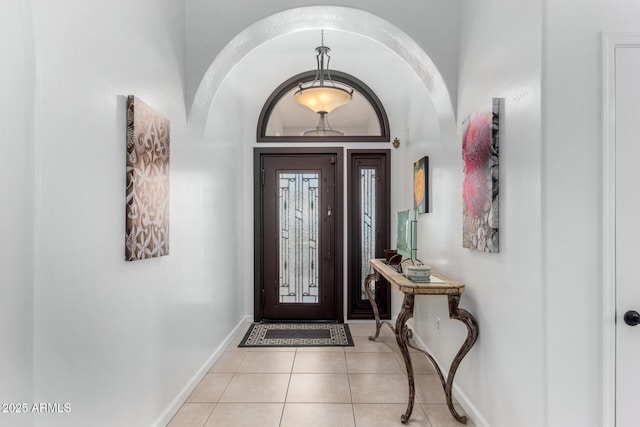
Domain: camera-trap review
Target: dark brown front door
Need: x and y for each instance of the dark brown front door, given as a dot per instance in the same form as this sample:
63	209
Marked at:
297	278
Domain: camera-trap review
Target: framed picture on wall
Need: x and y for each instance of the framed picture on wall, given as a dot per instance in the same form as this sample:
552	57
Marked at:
480	187
421	185
147	207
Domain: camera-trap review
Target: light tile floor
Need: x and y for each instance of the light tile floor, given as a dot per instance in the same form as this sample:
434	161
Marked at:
363	386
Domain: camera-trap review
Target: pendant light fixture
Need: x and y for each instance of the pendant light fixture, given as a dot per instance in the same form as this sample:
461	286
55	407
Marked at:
322	95
323	128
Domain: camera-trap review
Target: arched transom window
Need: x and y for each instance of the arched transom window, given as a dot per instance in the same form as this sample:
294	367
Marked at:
363	119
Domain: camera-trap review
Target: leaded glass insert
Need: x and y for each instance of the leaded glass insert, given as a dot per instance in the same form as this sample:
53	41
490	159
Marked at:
368	222
298	237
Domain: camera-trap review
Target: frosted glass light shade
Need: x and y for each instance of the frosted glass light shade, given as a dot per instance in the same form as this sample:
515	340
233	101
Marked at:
322	98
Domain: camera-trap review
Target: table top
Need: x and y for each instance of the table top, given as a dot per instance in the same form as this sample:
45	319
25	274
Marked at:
439	284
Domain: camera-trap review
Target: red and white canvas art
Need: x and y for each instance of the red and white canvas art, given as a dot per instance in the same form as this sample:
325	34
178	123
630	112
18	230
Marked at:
480	186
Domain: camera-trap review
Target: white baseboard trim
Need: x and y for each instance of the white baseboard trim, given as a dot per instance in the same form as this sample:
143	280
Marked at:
464	401
370	321
184	393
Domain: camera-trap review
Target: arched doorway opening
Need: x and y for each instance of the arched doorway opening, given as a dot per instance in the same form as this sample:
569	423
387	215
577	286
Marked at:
228	101
334	18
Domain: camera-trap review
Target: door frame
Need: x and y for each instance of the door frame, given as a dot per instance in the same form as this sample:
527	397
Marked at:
610	42
258	286
353	287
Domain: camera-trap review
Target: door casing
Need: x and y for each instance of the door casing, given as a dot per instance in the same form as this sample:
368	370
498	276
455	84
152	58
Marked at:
259	153
610	42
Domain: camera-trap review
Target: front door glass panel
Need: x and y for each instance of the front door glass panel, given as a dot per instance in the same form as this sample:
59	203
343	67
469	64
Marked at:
368	223
298	237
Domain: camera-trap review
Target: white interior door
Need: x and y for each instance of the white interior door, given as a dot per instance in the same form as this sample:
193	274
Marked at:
627	234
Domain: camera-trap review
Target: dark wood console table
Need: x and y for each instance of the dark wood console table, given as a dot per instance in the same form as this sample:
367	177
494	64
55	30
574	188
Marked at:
439	285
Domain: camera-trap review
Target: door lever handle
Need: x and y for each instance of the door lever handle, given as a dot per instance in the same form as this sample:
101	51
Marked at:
329	255
632	318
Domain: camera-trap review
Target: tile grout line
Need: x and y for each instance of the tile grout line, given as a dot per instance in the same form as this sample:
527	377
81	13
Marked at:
353	411
286	395
233	374
215	405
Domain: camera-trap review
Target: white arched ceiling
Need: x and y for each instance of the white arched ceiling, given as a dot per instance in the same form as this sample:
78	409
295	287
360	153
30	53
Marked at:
363	45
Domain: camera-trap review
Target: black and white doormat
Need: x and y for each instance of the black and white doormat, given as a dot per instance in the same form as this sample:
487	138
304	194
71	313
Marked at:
297	335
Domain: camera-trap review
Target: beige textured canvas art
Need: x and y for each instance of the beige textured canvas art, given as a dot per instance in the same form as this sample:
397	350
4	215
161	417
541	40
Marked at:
147	203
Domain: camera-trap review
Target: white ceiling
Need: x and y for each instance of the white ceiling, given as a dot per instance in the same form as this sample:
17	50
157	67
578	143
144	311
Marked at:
261	71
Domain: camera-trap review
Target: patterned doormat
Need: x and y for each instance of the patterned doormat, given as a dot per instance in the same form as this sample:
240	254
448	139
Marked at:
297	335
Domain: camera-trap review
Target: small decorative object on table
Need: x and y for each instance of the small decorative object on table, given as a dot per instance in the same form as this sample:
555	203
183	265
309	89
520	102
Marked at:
392	256
418	273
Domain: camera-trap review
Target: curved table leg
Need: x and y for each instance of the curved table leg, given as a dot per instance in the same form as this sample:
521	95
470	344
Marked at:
465	317
372	300
403	335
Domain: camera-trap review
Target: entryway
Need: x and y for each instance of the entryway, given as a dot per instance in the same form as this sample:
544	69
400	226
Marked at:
298	234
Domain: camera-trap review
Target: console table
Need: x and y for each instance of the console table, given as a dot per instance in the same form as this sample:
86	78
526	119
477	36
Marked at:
439	285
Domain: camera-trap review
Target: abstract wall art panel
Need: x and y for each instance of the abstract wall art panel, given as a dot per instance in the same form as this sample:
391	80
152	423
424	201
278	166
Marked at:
480	186
147	194
421	185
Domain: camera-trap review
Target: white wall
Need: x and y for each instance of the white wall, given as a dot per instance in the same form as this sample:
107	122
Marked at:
16	208
121	342
227	131
503	375
572	152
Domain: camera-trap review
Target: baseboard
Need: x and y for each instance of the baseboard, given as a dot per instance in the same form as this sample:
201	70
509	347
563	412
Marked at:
470	409
183	394
371	321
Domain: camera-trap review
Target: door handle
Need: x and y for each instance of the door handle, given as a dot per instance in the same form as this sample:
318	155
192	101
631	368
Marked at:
632	318
329	255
